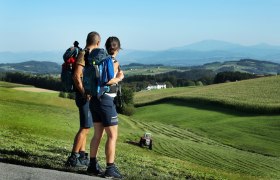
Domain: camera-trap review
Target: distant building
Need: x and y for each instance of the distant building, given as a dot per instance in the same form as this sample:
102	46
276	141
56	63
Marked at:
156	86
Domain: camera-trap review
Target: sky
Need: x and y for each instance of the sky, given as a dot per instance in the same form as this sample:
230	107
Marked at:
51	25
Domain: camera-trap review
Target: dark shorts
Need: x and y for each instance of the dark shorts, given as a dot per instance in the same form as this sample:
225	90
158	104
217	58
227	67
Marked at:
104	110
84	111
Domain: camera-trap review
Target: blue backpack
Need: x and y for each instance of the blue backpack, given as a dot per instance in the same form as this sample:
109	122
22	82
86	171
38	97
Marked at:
98	71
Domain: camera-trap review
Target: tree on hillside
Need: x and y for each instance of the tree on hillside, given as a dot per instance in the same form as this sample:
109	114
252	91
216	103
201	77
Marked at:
232	76
128	104
198	83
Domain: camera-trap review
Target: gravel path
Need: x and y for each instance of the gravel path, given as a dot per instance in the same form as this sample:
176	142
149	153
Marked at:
16	172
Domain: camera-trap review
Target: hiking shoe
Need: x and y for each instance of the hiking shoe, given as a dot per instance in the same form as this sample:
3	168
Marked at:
94	169
76	162
84	160
112	172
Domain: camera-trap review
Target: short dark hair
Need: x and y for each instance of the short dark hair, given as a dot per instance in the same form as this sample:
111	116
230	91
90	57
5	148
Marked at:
112	44
93	38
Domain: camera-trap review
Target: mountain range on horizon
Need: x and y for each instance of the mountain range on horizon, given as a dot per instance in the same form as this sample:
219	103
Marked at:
244	65
198	53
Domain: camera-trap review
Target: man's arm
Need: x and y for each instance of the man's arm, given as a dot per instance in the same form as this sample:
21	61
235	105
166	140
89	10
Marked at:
77	78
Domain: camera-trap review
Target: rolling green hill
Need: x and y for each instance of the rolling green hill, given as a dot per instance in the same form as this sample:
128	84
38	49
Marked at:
245	65
239	141
37	67
259	95
191	140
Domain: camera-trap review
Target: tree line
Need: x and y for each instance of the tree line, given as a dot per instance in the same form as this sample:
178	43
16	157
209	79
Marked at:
195	77
37	80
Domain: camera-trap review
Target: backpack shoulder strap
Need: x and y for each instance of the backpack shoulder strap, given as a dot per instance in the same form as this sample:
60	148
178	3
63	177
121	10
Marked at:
107	70
114	59
86	59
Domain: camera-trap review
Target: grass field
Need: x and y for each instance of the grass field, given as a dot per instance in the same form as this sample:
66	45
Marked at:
258	95
191	140
148	70
216	138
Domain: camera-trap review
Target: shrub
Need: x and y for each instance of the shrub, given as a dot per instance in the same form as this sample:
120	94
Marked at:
199	83
232	76
189	83
62	94
127	94
71	95
128	109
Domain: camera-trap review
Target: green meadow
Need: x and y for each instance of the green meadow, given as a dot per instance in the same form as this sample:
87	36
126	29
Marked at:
258	95
224	131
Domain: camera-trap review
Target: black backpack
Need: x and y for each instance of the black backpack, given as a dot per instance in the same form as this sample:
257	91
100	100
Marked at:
70	52
67	70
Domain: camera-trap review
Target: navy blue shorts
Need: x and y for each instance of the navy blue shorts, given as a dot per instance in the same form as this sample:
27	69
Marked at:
84	111
104	110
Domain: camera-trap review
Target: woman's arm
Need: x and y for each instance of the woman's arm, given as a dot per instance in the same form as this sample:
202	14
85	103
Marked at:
119	77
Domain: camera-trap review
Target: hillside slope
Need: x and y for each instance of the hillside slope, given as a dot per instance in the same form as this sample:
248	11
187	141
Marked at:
190	142
197	125
244	65
259	95
38	67
37	129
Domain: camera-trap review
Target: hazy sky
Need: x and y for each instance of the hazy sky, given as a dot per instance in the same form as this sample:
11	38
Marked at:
147	24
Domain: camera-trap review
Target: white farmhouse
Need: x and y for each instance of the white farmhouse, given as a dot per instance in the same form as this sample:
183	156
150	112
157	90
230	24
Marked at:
156	86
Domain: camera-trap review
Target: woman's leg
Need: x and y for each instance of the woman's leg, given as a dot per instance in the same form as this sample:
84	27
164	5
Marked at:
94	167
110	148
95	141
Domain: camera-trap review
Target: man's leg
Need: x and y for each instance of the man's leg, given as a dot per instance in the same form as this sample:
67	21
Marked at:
82	151
83	148
78	157
85	125
80	139
75	159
